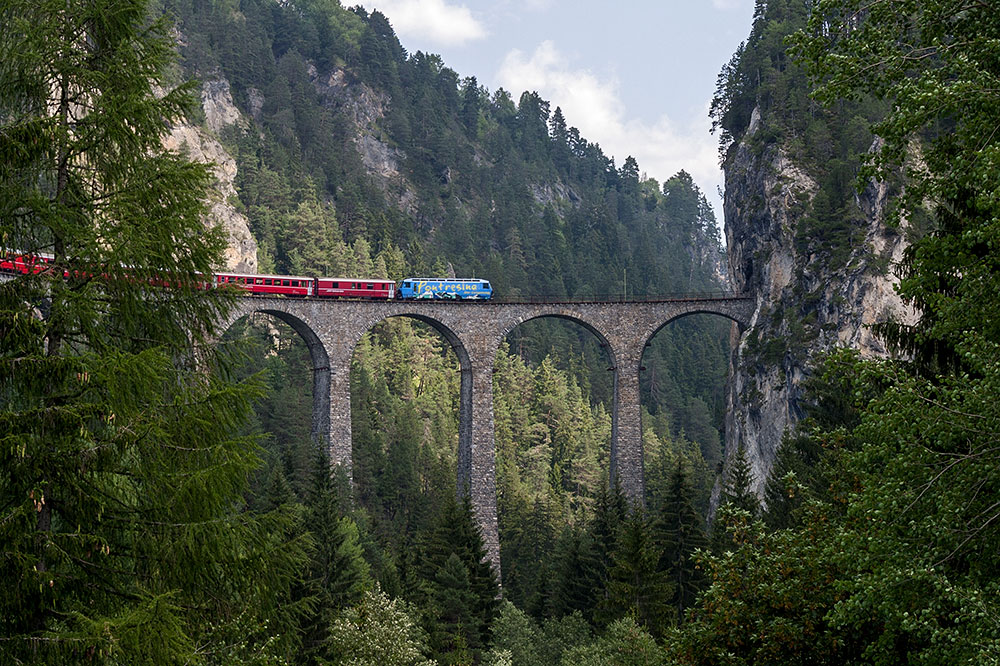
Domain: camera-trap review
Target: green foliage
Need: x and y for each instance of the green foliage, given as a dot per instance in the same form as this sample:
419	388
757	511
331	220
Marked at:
519	639
768	599
378	631
737	493
459	585
637	586
515	638
338	576
623	644
681	533
124	532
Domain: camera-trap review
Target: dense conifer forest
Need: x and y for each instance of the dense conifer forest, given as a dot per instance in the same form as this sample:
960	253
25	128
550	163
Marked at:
161	498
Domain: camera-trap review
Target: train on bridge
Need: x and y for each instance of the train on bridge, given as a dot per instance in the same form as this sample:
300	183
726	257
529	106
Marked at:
297	285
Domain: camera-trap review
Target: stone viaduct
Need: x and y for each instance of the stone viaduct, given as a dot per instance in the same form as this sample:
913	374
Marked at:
475	330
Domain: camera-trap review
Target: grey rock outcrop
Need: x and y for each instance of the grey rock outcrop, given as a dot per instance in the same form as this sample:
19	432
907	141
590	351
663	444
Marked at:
199	144
364	108
806	304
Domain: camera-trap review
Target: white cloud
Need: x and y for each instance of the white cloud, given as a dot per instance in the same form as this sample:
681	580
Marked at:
434	20
592	104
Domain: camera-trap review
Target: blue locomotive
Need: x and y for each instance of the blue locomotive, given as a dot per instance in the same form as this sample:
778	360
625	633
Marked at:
445	289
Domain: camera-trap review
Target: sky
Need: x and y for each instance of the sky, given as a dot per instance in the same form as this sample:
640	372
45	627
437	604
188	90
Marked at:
634	76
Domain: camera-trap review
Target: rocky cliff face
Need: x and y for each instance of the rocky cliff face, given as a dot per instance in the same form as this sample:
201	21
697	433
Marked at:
201	146
365	107
805	302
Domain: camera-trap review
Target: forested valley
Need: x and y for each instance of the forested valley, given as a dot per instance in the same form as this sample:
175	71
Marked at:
164	505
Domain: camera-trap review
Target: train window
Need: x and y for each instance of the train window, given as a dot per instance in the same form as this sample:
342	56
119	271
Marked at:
284	283
334	285
267	282
259	281
295	283
371	286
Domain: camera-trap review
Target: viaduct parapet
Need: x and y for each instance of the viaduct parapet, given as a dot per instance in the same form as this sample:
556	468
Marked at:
475	330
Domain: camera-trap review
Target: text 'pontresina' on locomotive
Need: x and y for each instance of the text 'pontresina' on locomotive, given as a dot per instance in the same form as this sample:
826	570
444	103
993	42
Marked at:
445	288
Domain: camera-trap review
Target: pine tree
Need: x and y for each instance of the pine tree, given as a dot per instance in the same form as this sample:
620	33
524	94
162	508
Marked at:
122	474
338	575
610	511
738	490
637	585
681	533
577	582
456	533
277	491
455	628
736	494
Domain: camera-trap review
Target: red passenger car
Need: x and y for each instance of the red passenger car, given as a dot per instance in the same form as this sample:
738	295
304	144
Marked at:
15	262
355	288
268	285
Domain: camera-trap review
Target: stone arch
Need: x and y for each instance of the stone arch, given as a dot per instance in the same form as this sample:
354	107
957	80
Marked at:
737	312
737	318
602	338
446	331
318	354
465	395
476	457
614	350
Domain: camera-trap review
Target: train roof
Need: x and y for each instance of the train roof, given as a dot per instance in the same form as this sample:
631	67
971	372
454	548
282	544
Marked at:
357	279
263	275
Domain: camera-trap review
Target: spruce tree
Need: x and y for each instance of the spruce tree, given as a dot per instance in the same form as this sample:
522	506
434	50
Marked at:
610	511
577	582
637	585
456	533
338	575
122	531
454	631
738	490
681	533
737	493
